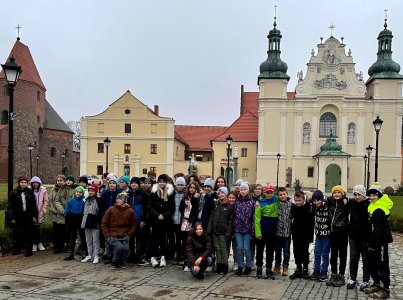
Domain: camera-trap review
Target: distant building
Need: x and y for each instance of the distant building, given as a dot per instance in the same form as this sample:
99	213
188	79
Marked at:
37	123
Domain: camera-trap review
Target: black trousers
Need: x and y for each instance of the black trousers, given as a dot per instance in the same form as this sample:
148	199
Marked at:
379	265
60	236
23	234
338	251
359	248
159	239
301	252
268	242
175	242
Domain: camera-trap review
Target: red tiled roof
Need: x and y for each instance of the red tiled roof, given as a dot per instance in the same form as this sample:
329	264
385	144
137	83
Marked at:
179	138
250	102
24	59
244	129
198	137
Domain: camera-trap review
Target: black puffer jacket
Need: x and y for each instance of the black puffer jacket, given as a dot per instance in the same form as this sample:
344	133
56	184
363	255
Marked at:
157	205
221	219
15	206
339	211
360	227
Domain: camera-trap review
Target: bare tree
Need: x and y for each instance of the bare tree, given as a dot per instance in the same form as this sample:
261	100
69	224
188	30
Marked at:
75	127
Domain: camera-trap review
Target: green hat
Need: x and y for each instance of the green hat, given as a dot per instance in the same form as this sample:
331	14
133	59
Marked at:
79	188
125	178
71	178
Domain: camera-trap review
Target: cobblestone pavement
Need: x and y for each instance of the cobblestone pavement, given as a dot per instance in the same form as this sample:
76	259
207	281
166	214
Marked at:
47	276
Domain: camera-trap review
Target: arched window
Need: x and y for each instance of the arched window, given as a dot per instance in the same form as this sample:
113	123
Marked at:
52	152
306	133
327	125
4	117
351	133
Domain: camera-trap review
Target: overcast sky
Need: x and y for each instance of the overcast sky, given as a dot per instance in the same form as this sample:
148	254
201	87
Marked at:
189	57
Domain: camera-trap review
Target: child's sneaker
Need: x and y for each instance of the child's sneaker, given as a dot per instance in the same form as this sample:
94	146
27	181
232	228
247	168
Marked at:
340	281
277	270
41	247
297	274
34	248
305	274
351	284
363	286
315	275
372	289
186	269
154	262
239	272
86	259
259	272
96	260
322	276
270	274
247	271
163	262
235	267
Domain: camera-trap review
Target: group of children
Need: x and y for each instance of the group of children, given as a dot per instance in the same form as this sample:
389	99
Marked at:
195	226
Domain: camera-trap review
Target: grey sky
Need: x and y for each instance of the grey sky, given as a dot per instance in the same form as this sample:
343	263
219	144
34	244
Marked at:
189	57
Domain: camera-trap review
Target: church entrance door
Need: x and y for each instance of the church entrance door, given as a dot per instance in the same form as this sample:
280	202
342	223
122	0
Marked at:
333	177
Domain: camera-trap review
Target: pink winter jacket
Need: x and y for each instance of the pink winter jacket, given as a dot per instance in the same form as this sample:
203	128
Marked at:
43	203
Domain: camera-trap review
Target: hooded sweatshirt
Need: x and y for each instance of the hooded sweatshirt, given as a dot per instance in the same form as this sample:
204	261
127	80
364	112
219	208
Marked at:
266	216
379	212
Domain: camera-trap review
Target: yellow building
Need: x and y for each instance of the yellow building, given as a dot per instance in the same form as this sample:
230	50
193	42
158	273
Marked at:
141	140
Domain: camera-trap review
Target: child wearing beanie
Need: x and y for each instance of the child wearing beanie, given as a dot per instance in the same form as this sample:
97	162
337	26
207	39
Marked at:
359	231
339	211
379	238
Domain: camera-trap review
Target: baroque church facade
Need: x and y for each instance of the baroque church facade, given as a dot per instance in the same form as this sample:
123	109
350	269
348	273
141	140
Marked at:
322	130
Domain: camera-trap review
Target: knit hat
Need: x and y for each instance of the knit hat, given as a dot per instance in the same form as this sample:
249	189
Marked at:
94	187
180	180
83	179
142	179
22	178
148	181
163	177
71	178
239	181
79	188
35	179
125	179
375	189
224	190
110	176
244	185
359	189
209	182
134	180
268	188
318	195
115	180
339	188
122	196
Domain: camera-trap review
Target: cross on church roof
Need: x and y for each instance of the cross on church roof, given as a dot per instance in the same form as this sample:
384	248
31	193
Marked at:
331	27
18	31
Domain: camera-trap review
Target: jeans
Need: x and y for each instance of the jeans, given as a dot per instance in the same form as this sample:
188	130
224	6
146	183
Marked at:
321	252
357	248
243	245
379	265
338	250
120	249
282	244
203	266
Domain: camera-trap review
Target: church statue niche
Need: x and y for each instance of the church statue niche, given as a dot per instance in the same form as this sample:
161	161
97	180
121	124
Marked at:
306	135
351	133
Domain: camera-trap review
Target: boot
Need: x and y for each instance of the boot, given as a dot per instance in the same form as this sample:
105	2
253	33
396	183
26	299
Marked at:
259	272
219	268
247	271
332	279
381	294
224	268
322	276
297	274
340	281
285	271
315	275
372	289
239	271
305	274
277	270
269	274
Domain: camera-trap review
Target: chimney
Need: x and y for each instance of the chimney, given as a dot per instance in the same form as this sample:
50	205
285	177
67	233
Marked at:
242	104
156	110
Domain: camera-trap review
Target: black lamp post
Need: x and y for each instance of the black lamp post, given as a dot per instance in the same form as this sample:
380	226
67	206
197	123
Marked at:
365	168
377	126
278	165
37	165
12	72
369	150
30	148
107	143
229	142
63	156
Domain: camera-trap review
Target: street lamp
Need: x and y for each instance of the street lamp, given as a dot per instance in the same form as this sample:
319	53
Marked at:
37	165
369	150
377	126
278	164
229	142
365	168
12	72
107	143
63	156
30	148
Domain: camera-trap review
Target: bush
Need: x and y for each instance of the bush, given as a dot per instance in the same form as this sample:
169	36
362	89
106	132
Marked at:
297	185
389	190
399	189
396	224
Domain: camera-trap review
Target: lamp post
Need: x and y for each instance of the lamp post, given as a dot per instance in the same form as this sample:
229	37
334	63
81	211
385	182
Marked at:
369	150
30	148
12	72
278	165
63	156
229	142
107	143
377	126
37	165
365	168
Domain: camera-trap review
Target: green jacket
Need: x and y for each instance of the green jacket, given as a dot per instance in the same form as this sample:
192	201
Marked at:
58	200
266	214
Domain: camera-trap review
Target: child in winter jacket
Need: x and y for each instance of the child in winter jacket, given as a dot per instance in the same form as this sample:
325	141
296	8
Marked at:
243	227
220	229
73	213
91	223
174	233
42	202
265	221
379	238
339	212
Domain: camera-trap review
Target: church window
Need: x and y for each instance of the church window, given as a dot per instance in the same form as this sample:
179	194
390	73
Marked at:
244	152
4	117
310	171
52	152
245	173
100	147
222	171
351	133
153	149
327	125
306	133
128	128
